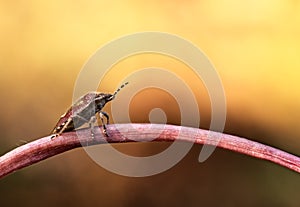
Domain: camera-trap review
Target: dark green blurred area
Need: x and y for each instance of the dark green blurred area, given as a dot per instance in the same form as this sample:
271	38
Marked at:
253	44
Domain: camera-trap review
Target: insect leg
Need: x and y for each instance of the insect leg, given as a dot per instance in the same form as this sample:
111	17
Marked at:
92	124
65	125
102	113
106	116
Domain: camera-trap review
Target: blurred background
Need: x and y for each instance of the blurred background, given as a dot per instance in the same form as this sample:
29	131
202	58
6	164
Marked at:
255	47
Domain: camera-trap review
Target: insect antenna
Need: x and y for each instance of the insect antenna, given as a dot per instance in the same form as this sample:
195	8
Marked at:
117	91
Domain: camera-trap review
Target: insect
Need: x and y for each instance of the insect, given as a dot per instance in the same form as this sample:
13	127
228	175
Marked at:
83	111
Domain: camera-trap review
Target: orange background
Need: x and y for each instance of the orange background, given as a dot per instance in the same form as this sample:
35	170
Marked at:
254	46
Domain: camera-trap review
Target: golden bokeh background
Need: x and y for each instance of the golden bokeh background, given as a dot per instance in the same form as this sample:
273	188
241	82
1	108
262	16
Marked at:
255	47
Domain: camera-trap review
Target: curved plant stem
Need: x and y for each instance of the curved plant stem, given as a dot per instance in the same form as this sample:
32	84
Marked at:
46	147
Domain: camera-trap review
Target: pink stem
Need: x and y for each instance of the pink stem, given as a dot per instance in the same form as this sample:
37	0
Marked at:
46	147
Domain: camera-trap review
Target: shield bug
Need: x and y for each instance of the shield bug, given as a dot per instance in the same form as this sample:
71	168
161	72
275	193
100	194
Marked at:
83	111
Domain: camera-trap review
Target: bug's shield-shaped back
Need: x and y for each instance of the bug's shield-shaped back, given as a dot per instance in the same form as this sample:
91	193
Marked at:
77	107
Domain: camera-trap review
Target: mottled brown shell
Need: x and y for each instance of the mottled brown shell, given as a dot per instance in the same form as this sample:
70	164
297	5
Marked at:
78	106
